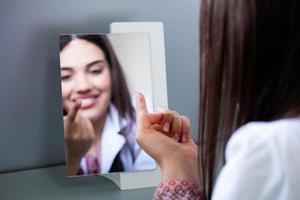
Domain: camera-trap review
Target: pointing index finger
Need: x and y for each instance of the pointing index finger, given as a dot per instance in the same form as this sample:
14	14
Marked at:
141	103
73	111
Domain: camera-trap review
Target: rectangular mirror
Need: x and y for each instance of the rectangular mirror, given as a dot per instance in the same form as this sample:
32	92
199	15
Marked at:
100	77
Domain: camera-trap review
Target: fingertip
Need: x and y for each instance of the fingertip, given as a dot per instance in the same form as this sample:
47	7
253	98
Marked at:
184	138
185	128
139	95
184	117
141	103
177	137
166	127
73	112
138	98
77	103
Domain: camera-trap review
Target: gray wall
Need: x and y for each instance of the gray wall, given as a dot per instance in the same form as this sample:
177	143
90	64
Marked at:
31	127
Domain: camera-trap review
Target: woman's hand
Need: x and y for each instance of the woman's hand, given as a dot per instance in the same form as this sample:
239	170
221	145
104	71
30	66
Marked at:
79	136
166	137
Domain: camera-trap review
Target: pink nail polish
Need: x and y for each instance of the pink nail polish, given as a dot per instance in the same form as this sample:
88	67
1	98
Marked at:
166	127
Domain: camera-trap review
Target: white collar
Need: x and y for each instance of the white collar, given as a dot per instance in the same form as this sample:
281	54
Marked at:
111	141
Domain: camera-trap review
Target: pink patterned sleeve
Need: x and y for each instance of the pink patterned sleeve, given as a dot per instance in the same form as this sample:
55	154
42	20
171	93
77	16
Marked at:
178	190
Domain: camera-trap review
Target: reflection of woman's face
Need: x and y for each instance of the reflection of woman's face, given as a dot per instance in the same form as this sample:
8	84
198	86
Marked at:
85	77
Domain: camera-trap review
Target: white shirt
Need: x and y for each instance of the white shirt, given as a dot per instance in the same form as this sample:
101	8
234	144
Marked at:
262	162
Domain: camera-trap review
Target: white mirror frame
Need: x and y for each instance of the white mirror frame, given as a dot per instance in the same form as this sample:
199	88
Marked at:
142	179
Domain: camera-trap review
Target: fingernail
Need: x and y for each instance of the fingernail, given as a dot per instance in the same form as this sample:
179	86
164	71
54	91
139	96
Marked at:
176	135
138	93
184	138
166	127
78	102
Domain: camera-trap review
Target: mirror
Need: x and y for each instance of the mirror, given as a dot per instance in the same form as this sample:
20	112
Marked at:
100	76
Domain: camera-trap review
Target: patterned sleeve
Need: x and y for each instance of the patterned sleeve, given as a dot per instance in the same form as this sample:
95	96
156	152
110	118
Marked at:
178	190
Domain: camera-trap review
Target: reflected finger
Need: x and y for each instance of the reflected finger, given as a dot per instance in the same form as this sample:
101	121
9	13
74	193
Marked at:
73	111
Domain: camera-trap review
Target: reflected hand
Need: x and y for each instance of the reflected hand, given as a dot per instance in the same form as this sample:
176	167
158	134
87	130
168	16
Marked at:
170	145
79	136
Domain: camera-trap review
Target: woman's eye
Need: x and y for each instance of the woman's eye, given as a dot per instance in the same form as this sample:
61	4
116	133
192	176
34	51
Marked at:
96	71
65	77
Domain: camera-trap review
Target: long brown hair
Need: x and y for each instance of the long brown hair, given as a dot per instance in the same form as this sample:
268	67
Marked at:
249	71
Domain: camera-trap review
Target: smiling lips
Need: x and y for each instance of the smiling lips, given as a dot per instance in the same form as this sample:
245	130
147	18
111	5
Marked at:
87	101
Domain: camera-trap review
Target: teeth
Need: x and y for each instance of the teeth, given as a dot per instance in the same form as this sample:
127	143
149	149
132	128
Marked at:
86	102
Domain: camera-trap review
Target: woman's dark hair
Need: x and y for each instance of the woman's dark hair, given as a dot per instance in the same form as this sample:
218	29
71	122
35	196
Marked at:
249	71
120	93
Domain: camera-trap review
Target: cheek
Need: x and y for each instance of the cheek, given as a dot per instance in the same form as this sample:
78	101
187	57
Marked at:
108	82
104	82
66	89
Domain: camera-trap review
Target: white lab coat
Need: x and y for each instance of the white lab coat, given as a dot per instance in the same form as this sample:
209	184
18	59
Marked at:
112	143
262	163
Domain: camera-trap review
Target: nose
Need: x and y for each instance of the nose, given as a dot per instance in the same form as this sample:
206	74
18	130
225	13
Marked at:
82	84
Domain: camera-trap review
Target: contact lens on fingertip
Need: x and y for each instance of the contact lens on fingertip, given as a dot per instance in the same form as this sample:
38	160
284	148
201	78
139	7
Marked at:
138	93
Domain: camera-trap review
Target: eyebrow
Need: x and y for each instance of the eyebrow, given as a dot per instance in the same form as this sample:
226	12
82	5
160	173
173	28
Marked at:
94	63
87	66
